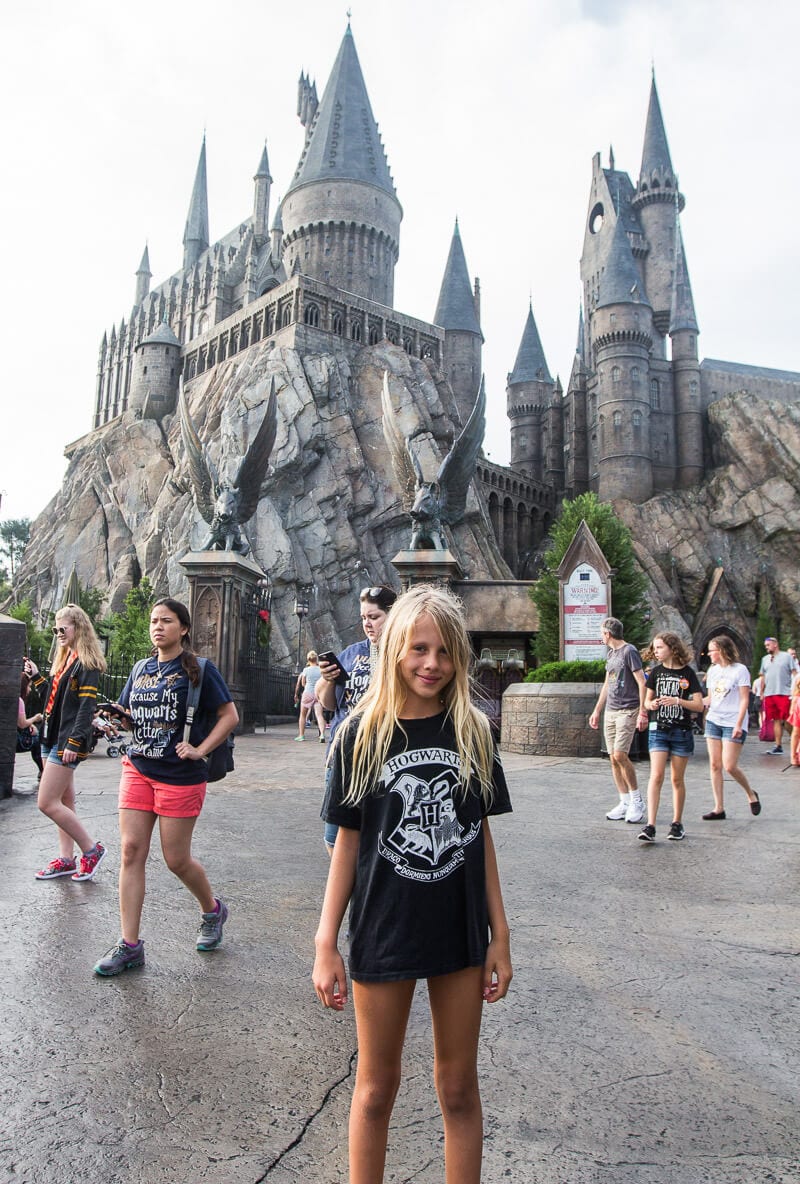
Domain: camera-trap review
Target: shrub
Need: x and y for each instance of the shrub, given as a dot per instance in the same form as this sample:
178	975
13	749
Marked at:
569	672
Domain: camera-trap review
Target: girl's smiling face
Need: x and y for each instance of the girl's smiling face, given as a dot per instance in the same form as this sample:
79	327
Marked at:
426	668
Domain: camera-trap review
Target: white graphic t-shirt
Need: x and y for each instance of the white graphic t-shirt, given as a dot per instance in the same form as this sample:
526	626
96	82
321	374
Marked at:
722	686
419	901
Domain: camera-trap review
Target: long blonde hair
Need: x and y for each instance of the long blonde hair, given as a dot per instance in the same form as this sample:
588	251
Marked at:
85	643
380	709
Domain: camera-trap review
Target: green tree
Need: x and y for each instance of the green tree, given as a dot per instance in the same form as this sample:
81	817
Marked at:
128	632
628	583
15	534
38	640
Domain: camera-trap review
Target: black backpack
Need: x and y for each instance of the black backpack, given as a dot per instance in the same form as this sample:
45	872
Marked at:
220	759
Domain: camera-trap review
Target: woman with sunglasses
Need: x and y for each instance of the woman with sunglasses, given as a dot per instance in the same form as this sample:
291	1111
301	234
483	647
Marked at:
66	735
342	685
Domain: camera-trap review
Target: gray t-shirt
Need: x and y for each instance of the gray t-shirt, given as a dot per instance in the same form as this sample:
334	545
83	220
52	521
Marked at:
777	670
623	689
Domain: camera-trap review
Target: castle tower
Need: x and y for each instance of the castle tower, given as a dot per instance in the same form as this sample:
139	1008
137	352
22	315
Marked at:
463	341
683	333
277	234
195	236
155	374
622	336
341	216
263	184
143	277
575	435
529	392
657	201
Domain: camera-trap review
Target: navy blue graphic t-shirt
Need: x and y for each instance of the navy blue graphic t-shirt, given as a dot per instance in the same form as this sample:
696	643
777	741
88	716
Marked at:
157	704
355	660
418	906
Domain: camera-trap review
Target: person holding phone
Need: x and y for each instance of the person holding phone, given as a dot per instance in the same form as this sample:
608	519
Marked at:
346	679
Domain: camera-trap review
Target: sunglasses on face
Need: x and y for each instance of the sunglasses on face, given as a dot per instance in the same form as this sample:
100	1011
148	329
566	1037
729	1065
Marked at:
60	630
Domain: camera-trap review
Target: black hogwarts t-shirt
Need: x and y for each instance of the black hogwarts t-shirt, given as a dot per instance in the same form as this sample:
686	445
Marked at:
419	900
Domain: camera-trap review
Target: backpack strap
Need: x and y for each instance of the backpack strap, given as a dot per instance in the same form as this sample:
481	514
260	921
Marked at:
192	700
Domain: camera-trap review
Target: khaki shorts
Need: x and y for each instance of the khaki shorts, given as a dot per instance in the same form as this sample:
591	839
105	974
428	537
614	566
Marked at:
619	728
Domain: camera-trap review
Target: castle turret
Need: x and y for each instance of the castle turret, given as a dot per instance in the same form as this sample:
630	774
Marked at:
195	236
341	216
683	334
277	234
529	392
576	462
658	201
463	340
263	184
622	337
155	374
143	277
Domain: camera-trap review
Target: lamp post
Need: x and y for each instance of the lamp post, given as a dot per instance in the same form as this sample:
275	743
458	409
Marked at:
301	611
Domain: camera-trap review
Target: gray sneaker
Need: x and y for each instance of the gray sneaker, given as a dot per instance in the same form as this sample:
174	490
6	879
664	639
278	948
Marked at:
120	957
209	933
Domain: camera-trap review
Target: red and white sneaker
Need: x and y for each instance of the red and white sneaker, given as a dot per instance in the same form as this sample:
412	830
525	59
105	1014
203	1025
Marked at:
55	868
90	863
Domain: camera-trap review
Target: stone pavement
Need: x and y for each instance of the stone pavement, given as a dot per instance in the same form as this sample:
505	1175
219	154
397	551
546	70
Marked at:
650	1035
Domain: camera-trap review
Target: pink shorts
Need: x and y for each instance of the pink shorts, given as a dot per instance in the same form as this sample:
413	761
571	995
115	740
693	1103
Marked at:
137	792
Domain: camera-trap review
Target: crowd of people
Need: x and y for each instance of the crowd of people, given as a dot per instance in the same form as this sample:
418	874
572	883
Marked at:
412	778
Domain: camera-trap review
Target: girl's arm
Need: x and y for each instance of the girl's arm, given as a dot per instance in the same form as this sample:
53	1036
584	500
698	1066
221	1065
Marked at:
328	974
227	719
497	968
744	707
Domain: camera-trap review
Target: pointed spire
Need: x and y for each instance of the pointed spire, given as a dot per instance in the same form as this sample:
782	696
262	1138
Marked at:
682	315
580	345
343	141
143	276
195	236
456	306
530	365
263	166
655	154
620	282
144	266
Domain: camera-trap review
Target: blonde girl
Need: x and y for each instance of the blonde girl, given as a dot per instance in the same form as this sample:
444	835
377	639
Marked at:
306	691
66	739
414	776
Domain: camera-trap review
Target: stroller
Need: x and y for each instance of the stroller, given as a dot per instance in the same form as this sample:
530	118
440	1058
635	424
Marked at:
104	728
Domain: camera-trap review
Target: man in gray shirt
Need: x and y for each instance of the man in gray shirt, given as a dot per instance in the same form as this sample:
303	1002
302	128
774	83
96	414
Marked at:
622	695
777	668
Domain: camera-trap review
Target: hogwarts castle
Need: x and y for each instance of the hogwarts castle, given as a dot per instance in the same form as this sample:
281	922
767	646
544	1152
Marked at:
302	290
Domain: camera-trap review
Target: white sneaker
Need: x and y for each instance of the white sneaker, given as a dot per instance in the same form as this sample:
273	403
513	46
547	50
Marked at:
619	812
635	811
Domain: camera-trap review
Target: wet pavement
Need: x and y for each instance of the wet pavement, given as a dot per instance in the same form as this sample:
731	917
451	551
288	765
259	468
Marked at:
650	1035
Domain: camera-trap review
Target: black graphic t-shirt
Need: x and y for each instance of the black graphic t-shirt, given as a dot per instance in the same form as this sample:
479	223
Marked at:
682	683
157	704
418	906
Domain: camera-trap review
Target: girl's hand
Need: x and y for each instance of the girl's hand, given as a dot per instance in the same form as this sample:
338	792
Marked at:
188	752
329	978
68	757
497	972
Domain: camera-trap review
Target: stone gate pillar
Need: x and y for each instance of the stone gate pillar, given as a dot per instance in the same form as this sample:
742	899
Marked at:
221	586
12	648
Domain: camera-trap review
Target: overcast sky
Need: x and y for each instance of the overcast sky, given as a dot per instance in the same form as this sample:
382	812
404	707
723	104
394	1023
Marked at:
488	113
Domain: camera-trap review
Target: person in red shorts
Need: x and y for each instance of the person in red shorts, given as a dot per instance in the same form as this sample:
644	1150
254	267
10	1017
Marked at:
777	668
164	778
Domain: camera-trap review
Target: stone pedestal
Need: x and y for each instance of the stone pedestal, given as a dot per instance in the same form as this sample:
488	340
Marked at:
427	567
12	648
221	588
550	719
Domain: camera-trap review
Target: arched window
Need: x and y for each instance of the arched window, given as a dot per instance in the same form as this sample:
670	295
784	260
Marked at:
616	373
636	419
655	394
286	315
617	420
337	325
374	335
634	373
311	315
355	331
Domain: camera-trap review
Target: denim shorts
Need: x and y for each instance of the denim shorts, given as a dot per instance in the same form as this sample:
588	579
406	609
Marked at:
51	754
716	732
677	741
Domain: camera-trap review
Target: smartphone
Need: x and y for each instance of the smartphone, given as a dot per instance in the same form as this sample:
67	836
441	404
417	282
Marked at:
330	657
113	709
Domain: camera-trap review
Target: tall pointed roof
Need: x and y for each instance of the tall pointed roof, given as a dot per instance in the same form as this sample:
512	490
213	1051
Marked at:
530	365
682	315
620	282
196	231
580	344
144	266
456	306
655	154
263	165
343	141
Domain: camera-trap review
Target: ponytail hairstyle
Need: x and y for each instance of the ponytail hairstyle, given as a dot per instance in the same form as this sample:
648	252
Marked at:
189	658
380	709
727	647
85	643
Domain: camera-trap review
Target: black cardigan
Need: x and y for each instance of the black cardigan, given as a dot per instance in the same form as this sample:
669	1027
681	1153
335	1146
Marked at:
69	722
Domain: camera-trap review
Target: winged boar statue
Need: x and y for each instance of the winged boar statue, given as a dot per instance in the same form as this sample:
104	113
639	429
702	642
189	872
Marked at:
227	505
434	504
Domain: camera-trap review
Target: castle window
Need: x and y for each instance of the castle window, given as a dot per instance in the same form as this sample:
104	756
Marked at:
355	331
691	341
617	420
655	394
612	316
692	388
286	315
616	373
636	419
311	315
634	373
336	324
145	370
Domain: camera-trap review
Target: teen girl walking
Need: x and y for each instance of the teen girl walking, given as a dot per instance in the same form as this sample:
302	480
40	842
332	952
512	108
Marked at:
164	778
673	695
728	702
65	737
414	776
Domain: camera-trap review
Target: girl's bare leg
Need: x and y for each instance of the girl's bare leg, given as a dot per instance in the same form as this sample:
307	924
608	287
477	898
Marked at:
301	724
658	763
381	1017
730	760
135	830
176	843
715	769
57	802
456	1009
677	772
